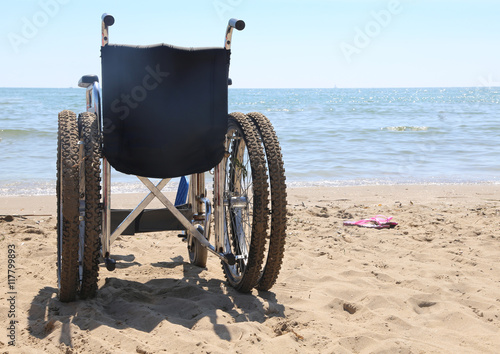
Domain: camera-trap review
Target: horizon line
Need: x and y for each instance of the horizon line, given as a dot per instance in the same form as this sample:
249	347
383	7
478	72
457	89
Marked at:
286	88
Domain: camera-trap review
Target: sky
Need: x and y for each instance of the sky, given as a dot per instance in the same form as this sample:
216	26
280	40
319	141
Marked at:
286	43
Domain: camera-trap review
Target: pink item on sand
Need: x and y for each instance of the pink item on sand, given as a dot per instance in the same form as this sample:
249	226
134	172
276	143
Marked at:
377	222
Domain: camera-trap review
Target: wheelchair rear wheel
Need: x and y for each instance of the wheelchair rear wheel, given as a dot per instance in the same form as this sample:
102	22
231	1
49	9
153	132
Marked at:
78	243
67	206
275	247
245	203
90	135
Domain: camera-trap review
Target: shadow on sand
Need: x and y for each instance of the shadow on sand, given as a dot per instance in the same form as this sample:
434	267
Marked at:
124	304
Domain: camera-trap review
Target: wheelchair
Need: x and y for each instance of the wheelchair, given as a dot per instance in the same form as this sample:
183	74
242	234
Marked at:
162	113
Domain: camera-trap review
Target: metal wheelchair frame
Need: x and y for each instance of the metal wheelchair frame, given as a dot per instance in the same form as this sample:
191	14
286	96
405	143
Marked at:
194	216
196	186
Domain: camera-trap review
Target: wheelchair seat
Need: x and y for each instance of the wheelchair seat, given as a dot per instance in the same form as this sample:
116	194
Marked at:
164	108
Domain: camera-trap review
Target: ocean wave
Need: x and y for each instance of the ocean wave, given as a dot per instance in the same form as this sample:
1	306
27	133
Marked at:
405	128
40	188
390	182
48	187
27	188
22	133
284	110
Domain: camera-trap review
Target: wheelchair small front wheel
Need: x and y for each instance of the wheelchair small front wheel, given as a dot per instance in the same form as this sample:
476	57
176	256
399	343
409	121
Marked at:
197	253
245	206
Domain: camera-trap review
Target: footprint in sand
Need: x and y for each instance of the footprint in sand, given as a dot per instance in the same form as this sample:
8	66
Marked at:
320	212
424	306
350	308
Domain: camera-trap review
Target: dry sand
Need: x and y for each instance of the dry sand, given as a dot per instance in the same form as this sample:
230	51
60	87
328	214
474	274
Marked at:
430	285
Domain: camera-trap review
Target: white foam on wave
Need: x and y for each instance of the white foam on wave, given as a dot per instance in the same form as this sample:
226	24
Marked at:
406	128
40	188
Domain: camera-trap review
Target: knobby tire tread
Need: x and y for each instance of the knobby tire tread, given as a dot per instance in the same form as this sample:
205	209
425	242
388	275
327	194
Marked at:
93	214
67	195
256	155
277	236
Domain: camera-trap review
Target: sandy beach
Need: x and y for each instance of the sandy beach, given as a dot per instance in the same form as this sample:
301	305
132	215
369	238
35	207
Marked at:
429	285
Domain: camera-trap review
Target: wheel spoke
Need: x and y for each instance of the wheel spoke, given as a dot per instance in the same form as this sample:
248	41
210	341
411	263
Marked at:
245	221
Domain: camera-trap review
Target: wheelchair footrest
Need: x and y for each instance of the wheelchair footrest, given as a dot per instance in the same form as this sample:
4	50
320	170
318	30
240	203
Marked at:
150	220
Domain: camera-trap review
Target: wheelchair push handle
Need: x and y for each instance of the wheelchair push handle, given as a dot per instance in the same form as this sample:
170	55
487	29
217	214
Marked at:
238	24
233	23
106	21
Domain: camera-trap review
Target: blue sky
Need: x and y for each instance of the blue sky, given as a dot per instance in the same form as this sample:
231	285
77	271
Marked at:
287	43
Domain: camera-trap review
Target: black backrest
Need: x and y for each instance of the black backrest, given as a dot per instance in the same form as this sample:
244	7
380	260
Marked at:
164	108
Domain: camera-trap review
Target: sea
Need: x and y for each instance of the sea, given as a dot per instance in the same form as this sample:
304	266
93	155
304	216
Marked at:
328	137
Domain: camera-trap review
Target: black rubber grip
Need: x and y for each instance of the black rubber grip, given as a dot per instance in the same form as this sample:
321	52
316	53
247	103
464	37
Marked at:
108	19
238	24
